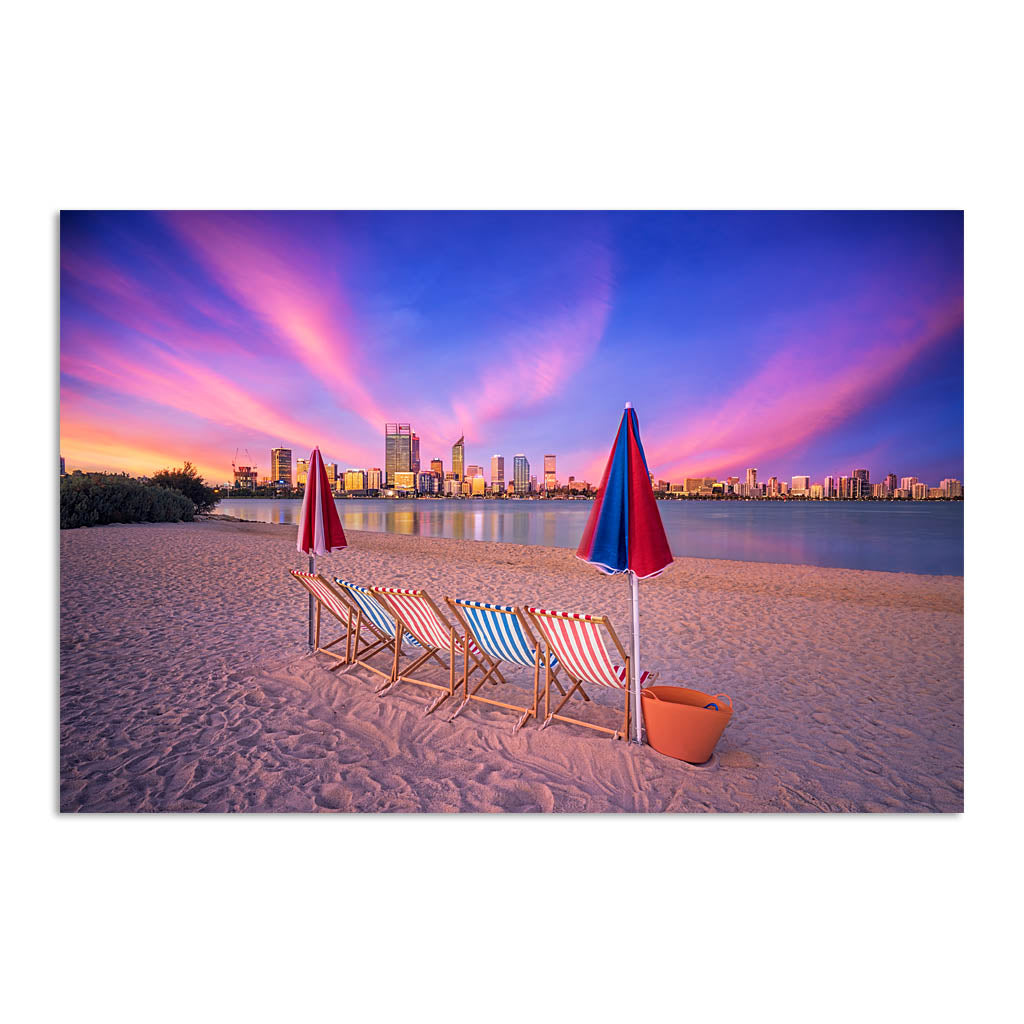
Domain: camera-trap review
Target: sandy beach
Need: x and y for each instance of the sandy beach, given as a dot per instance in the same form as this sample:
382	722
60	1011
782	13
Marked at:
186	686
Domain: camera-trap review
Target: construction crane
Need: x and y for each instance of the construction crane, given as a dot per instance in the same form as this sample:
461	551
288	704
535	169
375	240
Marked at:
245	474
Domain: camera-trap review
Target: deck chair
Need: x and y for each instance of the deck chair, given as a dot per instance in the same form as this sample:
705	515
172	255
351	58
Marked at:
503	635
426	622
377	621
326	597
577	642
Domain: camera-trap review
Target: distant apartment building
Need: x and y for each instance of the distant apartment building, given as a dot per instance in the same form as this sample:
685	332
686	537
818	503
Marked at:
498	473
890	485
907	483
281	467
550	474
428	482
751	483
459	458
801	486
878	491
398	450
374	479
355	480
817	492
301	472
521	474
452	486
333	480
919	492
692	484
952	488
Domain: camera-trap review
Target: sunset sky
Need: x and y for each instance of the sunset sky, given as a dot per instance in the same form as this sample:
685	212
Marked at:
793	342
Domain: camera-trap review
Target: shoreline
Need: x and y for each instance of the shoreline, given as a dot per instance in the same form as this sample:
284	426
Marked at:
848	684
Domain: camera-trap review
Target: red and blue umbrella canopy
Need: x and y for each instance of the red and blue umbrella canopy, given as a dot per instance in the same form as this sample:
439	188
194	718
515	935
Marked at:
319	524
624	532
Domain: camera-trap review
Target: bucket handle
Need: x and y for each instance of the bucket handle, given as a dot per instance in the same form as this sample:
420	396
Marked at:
726	696
647	691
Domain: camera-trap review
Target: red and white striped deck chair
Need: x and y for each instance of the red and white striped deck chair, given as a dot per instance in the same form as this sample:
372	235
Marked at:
425	621
577	642
326	597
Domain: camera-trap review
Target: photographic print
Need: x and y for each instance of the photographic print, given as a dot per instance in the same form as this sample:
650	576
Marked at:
511	511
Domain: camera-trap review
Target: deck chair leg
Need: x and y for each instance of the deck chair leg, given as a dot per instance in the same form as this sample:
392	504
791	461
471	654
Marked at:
316	629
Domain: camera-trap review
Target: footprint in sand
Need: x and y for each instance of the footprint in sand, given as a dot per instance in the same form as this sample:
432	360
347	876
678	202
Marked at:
524	797
736	759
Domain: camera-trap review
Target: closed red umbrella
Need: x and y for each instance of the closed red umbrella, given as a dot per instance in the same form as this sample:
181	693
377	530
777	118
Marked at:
320	529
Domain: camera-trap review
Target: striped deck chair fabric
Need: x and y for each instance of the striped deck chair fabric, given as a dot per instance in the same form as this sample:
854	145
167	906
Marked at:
326	597
322	593
374	611
418	615
500	634
576	639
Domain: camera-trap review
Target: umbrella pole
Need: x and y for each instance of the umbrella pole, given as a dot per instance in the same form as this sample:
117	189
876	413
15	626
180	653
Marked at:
634	661
312	569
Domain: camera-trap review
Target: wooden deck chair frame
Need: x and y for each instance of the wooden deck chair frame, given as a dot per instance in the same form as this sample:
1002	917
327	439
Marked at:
379	643
493	666
304	579
430	651
554	716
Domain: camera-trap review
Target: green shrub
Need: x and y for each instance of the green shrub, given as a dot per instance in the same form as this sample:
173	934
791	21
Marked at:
190	483
94	499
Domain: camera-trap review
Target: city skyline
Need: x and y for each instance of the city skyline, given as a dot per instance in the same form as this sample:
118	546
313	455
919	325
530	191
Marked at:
800	341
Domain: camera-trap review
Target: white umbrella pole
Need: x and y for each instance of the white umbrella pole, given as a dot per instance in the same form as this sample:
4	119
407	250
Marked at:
312	569
634	661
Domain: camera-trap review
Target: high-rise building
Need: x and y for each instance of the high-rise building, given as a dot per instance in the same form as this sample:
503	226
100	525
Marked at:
472	471
301	472
373	479
245	478
907	483
355	479
428	482
890	485
817	492
751	483
521	474
801	486
333	480
952	488
398	450
919	491
692	484
550	475
862	474
459	458
498	473
437	466
479	485
405	480
414	454
281	467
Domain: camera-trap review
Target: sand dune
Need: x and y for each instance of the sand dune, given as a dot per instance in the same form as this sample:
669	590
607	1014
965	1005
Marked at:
185	684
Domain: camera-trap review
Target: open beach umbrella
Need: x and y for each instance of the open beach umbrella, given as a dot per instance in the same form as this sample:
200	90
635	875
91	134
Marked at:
624	532
319	524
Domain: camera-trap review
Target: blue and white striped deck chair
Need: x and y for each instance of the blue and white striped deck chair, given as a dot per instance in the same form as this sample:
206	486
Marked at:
503	635
372	615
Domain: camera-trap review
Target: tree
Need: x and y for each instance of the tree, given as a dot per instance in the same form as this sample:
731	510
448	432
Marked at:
188	482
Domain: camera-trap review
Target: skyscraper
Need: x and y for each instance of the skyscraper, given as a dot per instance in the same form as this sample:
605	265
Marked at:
301	472
398	450
414	454
550	477
521	474
281	467
751	483
459	458
373	479
498	473
437	466
890	484
801	485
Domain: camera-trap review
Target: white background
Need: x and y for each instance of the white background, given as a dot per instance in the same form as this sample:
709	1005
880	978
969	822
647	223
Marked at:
441	105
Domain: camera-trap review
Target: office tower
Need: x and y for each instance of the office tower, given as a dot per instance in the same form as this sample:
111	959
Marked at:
281	467
397	450
691	484
801	485
751	482
479	485
907	483
550	475
414	454
498	472
472	471
437	466
862	474
890	485
459	457
405	480
428	482
301	472
773	487
521	474
332	475
355	479
373	479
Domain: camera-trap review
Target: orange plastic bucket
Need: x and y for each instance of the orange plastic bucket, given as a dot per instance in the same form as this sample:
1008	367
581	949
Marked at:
680	723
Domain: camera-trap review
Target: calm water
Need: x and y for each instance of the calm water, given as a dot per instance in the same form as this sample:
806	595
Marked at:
919	537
